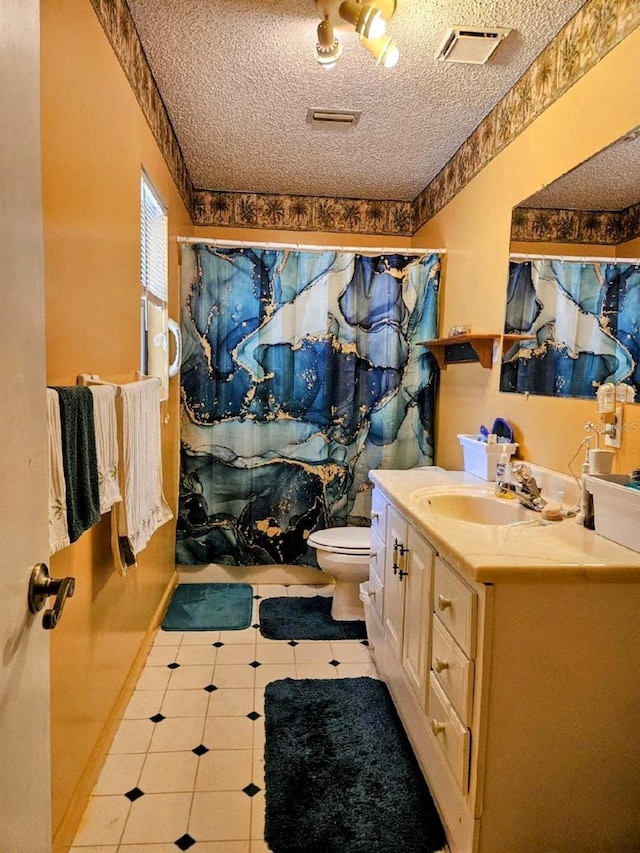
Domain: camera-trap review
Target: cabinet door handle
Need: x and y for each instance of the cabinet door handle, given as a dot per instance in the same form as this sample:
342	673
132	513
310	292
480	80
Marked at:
443	602
375	516
441	665
402	574
438	728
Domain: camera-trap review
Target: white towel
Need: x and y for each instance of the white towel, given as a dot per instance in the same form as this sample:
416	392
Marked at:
104	413
58	530
143	508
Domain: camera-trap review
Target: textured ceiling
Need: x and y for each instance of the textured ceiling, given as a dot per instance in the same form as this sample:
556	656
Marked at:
237	79
608	181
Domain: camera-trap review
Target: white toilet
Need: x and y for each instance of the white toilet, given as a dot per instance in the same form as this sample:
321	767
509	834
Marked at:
343	554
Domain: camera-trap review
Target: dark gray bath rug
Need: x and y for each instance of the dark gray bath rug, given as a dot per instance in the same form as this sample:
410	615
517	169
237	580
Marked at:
340	773
291	618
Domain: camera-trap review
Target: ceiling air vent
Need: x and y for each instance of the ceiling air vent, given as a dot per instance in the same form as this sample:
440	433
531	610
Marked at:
337	119
471	44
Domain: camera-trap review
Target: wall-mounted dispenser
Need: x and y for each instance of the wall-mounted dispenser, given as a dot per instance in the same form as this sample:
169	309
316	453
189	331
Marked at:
606	398
610	398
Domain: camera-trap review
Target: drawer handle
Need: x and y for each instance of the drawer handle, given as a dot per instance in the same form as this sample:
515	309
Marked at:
398	548
443	602
438	728
441	665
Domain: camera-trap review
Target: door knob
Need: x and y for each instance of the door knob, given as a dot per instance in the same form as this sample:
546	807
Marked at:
41	587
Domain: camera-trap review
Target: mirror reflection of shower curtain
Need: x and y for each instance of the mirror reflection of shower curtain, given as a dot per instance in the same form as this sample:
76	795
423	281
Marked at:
300	374
583	319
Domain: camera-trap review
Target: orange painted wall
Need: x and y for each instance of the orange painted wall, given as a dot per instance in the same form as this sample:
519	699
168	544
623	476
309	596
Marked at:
630	249
315	238
475	228
563	249
94	142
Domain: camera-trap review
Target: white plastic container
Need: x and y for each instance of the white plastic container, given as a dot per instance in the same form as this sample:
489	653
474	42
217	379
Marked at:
480	458
616	508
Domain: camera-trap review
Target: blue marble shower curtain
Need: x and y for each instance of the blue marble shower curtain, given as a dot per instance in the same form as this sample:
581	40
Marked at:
301	372
583	319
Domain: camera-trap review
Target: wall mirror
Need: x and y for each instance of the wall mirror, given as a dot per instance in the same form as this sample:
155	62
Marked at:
573	293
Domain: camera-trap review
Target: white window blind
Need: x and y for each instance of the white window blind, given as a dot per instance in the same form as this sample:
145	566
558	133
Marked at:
154	242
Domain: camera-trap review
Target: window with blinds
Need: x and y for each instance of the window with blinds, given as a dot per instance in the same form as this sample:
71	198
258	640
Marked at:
153	267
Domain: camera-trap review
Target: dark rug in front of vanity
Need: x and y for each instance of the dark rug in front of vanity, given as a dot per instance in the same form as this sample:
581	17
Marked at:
340	773
209	607
302	618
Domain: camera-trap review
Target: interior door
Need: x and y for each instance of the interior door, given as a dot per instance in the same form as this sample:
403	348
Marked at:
24	647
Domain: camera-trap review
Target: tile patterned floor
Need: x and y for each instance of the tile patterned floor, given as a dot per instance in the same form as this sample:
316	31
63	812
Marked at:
186	768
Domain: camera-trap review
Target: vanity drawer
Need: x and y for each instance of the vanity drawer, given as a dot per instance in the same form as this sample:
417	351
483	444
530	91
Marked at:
451	735
456	605
453	670
378	514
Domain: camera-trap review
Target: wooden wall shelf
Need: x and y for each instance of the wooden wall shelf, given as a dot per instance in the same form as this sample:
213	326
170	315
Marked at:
480	344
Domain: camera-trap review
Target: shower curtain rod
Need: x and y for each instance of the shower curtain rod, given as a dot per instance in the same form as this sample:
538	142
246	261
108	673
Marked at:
580	259
310	247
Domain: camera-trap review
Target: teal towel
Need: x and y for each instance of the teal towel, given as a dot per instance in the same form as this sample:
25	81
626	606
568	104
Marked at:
79	458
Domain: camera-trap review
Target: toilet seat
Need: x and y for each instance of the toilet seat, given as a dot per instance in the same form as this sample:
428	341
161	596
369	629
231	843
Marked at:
342	540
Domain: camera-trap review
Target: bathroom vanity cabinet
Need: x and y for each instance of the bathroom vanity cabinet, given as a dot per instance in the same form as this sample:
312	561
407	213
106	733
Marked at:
517	685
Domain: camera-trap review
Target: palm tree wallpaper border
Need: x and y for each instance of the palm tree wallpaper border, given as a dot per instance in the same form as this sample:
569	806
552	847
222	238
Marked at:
596	227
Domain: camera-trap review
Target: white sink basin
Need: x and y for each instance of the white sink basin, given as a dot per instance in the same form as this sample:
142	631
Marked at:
474	508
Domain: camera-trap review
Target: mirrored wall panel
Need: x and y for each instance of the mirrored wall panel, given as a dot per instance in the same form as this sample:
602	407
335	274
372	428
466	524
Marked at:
573	290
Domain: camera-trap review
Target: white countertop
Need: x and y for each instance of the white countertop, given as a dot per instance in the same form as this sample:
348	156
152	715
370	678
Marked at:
559	551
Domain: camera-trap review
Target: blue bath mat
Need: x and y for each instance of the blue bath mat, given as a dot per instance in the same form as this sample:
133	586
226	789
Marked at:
209	607
340	773
291	618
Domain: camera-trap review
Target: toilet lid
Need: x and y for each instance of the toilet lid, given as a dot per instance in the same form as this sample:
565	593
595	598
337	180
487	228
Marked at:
342	540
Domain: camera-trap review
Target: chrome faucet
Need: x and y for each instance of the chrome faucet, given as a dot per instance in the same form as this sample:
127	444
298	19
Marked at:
525	488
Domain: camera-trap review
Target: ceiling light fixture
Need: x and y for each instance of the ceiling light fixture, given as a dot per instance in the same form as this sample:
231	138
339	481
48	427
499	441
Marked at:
384	50
328	48
369	20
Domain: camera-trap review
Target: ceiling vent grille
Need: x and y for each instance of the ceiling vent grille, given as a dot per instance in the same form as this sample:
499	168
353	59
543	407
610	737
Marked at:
336	119
473	45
